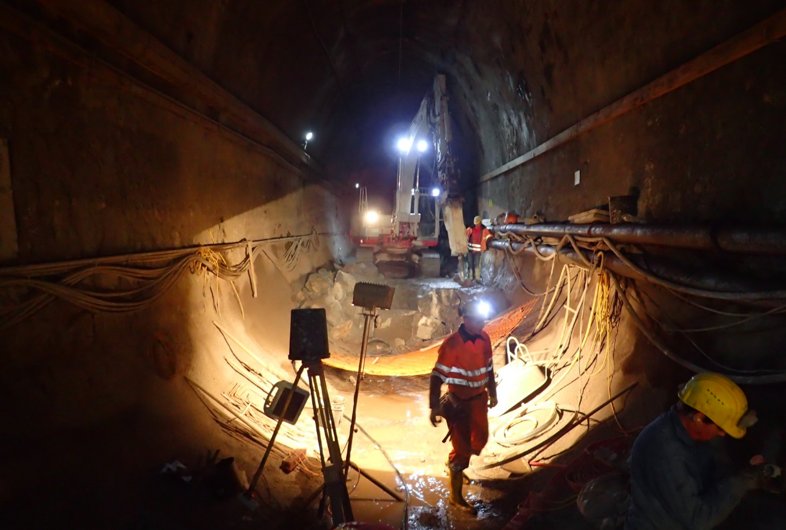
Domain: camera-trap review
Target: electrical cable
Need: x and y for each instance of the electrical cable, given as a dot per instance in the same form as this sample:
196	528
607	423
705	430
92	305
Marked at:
740	379
689	339
154	275
719	295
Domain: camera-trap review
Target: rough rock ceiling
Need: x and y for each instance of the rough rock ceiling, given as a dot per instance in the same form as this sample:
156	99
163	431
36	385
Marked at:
519	72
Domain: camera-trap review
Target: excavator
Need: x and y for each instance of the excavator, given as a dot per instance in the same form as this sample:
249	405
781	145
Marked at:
401	244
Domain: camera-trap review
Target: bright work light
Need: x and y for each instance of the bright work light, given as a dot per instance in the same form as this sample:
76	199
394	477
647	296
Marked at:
309	136
484	309
435	192
404	144
422	146
371	217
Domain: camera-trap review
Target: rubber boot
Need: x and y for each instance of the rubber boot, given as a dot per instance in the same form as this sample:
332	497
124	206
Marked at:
456	498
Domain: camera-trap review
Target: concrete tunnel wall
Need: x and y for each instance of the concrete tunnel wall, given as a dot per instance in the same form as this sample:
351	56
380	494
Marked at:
98	401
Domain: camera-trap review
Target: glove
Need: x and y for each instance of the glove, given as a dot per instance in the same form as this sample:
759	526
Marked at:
493	401
435	417
753	477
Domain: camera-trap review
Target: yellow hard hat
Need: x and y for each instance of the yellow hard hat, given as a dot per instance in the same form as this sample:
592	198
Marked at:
720	399
477	220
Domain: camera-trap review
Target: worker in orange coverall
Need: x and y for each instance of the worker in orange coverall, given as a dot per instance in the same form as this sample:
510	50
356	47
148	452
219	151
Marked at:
477	240
466	365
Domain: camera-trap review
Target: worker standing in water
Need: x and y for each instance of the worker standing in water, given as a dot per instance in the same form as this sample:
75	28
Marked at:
466	366
477	236
674	480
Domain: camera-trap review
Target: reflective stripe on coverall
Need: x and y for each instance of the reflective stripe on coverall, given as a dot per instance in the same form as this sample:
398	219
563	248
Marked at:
673	481
477	238
466	365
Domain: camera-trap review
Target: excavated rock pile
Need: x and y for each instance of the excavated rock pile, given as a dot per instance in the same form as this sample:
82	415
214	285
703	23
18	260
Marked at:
422	310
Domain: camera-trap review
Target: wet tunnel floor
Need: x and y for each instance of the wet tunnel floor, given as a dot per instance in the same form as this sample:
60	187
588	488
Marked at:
395	412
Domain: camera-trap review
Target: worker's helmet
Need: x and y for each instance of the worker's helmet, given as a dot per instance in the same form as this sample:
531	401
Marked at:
477	220
721	400
475	308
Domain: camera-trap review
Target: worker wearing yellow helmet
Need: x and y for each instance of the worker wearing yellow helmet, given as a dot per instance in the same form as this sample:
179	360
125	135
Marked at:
674	482
477	238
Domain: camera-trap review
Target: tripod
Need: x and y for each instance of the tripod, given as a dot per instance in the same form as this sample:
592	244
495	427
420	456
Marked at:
309	344
332	467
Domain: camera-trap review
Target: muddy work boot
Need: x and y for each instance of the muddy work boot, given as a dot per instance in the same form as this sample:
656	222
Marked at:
456	498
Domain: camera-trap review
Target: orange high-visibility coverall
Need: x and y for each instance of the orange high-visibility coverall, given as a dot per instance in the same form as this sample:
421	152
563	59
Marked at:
466	365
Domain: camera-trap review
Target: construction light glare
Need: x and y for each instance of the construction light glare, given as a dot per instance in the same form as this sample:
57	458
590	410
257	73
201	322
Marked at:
404	144
422	146
435	192
309	136
371	217
357	185
484	309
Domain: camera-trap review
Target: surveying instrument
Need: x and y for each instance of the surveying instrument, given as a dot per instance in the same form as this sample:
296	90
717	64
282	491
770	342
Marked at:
308	343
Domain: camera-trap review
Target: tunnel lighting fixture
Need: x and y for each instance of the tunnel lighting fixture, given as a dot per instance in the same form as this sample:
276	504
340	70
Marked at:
371	217
404	144
357	185
307	138
435	192
422	146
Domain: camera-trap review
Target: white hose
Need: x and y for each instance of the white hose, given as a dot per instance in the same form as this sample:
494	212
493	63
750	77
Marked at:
525	415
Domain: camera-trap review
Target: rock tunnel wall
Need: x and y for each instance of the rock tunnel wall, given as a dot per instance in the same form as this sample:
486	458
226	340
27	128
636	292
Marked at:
98	400
707	152
704	152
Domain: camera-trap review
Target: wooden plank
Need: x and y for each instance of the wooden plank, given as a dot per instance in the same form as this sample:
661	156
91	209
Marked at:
764	33
9	245
112	28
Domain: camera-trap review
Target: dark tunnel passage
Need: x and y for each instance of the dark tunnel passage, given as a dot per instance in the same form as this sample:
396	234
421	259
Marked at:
180	179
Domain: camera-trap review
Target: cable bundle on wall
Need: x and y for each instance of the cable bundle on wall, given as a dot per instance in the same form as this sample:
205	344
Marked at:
143	277
582	246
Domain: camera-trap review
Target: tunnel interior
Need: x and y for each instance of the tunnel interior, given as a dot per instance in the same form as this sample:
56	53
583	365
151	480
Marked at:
162	214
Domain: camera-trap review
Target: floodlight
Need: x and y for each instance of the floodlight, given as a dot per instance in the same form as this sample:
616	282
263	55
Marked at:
422	146
404	144
371	217
436	192
309	136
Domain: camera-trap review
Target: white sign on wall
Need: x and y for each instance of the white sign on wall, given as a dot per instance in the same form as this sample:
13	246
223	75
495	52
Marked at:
9	247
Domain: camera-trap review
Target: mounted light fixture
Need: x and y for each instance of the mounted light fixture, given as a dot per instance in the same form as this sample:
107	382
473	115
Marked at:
435	192
371	217
404	144
422	146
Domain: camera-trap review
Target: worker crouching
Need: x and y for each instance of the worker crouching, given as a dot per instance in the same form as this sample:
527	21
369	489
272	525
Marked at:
465	364
675	482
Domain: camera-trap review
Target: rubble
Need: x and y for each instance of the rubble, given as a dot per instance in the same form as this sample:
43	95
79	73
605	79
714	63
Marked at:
422	311
428	328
